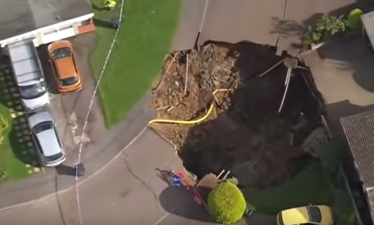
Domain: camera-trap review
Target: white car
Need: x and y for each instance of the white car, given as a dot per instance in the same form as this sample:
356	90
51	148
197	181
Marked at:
34	96
46	139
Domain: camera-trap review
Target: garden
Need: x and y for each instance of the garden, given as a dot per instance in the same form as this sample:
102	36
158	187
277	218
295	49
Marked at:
329	27
11	166
145	37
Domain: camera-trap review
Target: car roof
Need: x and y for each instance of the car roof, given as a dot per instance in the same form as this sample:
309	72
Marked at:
39	117
48	142
295	215
59	44
64	66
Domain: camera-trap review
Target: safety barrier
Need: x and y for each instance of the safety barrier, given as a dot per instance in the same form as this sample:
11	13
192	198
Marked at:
90	108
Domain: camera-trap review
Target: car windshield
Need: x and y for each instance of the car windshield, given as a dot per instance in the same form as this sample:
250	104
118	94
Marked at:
68	81
40	127
33	91
314	214
61	53
54	157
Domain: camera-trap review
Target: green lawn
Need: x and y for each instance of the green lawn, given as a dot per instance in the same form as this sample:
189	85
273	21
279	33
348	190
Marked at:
9	161
293	193
314	185
146	34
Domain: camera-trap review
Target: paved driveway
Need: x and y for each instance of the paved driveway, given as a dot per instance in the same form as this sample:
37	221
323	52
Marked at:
69	110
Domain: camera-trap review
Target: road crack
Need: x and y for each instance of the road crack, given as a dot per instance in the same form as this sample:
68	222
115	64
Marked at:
139	179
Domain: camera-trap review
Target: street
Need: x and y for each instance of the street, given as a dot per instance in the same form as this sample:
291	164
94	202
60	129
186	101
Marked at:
127	191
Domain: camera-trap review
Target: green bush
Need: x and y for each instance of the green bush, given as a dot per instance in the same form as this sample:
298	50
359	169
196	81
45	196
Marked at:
326	27
354	18
226	203
329	26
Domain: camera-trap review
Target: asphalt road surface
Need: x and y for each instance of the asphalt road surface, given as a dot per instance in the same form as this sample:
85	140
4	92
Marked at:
126	192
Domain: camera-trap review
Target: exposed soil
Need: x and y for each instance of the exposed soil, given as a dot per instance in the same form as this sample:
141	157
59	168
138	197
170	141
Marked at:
244	133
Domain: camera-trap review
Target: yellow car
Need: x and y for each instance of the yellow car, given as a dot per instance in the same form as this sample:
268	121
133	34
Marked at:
307	215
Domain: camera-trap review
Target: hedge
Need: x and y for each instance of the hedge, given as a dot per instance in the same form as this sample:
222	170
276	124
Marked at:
226	203
354	18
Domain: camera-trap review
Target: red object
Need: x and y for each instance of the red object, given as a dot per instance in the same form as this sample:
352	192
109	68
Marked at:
197	200
197	197
184	180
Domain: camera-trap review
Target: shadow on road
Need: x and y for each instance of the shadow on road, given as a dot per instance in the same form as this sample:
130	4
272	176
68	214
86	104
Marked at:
180	202
354	54
65	170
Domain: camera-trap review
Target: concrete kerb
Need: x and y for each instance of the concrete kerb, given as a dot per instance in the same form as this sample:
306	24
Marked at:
83	180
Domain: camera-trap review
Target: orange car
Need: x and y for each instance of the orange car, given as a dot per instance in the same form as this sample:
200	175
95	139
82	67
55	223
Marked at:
63	63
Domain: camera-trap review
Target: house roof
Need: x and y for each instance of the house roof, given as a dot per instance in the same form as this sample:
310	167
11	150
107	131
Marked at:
368	22
22	16
370	197
359	131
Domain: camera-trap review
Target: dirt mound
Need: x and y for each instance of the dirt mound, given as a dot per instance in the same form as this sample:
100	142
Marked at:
244	131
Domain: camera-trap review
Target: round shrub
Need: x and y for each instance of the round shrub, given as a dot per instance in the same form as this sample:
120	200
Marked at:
226	203
354	18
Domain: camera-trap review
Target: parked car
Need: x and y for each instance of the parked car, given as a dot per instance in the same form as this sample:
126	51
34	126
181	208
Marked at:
308	215
28	74
46	139
64	65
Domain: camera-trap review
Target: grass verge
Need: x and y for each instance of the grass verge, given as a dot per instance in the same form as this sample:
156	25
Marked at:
146	33
322	182
10	164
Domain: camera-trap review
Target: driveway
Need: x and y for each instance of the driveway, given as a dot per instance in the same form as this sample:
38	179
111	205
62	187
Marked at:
343	72
69	110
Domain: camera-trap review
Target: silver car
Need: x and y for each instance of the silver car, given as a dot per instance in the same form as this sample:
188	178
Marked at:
46	139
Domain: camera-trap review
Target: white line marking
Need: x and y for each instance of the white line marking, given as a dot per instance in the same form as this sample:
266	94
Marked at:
83	181
161	219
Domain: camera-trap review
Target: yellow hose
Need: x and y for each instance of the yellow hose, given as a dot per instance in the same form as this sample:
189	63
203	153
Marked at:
211	106
190	121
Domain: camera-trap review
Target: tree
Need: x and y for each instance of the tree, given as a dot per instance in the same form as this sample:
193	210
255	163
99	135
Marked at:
226	203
